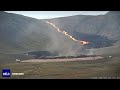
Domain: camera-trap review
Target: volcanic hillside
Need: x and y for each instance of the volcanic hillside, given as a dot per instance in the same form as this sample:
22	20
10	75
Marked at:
21	34
101	30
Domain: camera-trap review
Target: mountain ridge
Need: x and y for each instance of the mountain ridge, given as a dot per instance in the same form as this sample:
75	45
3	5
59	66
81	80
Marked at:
20	34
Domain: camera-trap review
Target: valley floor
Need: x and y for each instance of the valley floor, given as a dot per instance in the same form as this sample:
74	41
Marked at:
104	68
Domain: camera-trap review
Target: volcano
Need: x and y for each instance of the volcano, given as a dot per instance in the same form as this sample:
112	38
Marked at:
21	34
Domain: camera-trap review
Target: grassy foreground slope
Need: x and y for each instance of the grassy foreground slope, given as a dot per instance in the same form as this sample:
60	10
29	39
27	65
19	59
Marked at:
66	70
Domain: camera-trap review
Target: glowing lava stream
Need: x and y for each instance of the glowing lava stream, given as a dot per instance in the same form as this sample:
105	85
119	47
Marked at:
65	33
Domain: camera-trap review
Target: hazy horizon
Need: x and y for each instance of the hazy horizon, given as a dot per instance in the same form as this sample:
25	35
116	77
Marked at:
55	14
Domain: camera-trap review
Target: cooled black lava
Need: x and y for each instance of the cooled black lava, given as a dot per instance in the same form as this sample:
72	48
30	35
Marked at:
96	41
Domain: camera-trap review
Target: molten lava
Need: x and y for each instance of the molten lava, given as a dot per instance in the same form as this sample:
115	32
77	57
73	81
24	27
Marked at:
65	33
84	42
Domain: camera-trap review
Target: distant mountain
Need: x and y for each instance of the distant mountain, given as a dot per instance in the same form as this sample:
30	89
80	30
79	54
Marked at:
113	13
21	34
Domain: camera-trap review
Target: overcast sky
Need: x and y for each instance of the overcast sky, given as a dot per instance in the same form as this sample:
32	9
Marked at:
54	14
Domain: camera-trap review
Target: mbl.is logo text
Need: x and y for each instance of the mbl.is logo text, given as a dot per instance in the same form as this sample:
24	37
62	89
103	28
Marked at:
6	73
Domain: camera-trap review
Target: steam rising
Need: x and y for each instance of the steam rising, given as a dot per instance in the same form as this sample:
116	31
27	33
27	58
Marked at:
53	41
64	45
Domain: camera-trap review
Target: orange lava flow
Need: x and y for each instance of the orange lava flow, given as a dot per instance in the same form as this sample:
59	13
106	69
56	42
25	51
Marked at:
65	33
